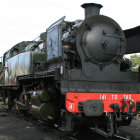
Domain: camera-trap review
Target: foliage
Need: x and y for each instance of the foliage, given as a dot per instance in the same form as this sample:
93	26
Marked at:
135	59
1	103
5	105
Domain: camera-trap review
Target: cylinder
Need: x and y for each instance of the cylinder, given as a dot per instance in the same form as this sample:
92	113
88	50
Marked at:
91	9
46	111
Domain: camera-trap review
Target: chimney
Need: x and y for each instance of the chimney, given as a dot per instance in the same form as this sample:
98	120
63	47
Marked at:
91	9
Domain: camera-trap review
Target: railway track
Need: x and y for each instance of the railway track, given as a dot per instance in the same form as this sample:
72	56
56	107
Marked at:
117	137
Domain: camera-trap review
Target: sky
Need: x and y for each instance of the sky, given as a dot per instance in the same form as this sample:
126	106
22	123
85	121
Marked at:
24	20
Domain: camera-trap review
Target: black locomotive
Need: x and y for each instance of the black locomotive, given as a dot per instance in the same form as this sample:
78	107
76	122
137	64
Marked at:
75	75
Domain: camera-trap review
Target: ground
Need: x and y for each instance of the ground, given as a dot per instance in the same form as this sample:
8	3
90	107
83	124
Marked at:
132	131
13	127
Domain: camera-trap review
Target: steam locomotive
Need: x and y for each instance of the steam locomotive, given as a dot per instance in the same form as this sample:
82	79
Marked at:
75	75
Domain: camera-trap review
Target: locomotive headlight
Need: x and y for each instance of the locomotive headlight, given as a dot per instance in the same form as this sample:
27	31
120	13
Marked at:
66	46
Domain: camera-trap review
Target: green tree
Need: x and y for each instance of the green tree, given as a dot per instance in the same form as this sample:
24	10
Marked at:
135	59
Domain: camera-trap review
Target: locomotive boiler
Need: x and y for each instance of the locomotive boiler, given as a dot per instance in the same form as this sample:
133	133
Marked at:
75	76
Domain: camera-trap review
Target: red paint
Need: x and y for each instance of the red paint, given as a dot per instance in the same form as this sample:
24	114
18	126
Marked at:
73	98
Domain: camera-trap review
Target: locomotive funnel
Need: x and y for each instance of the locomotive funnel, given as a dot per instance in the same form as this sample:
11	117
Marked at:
91	9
